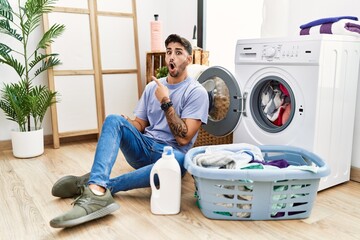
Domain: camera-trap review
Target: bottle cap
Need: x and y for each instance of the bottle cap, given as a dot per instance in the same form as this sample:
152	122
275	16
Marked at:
156	16
168	151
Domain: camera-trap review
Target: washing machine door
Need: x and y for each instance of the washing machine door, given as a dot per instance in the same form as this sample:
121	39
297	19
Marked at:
225	101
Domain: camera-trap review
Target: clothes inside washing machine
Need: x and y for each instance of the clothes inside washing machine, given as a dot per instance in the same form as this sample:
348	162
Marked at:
275	102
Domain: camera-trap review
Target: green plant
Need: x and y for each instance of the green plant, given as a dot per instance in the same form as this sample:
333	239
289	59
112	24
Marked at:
162	72
22	101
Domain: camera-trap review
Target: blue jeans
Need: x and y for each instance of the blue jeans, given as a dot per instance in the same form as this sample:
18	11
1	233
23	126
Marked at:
140	151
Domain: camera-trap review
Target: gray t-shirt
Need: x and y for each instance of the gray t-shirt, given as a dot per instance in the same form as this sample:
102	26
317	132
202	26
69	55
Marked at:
190	100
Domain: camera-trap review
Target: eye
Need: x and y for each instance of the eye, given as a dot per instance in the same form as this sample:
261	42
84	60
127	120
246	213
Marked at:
178	53
168	52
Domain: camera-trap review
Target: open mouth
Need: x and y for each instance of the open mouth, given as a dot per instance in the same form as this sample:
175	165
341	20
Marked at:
172	66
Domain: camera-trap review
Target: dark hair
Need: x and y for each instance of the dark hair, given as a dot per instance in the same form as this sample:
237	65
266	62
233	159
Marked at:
183	41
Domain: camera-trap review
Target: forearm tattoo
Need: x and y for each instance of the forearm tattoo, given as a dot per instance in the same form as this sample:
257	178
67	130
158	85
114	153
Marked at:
176	124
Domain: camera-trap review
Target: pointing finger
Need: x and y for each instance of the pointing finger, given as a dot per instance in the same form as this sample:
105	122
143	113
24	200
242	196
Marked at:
156	80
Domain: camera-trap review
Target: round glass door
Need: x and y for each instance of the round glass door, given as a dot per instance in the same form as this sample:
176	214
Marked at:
272	104
224	100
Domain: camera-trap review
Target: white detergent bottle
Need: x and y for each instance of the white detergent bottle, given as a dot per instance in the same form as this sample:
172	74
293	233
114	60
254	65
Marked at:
166	197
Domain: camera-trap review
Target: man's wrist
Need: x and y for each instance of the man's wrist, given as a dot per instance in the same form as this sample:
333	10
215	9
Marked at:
166	105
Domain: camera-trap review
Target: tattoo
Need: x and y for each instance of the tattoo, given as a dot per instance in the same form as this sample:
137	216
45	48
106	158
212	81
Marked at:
176	124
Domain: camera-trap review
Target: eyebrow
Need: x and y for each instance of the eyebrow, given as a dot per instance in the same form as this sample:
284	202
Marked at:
176	49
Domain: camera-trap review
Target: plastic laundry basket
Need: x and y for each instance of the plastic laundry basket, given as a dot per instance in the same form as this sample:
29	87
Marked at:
254	194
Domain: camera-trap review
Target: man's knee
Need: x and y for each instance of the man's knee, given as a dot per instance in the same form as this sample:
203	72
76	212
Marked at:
114	119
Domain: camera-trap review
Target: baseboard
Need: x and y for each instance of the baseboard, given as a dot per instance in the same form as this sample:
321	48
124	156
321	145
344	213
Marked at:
355	174
48	140
5	145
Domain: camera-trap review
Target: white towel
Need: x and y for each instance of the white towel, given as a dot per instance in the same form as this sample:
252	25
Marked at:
216	157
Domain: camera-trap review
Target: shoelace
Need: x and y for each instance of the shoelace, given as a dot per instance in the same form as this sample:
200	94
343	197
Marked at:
79	200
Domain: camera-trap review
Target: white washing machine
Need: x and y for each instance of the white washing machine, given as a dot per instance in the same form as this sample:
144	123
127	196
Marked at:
296	91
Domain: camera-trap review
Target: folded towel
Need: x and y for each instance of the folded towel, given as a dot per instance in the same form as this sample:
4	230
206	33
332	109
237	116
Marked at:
341	27
214	157
352	27
326	20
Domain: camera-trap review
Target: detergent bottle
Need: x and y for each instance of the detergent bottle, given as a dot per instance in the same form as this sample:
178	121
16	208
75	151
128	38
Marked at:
166	197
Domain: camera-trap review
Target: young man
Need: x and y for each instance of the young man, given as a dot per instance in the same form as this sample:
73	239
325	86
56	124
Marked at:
170	112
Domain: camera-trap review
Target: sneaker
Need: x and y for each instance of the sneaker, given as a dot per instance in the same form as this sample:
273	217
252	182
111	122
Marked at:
69	186
87	207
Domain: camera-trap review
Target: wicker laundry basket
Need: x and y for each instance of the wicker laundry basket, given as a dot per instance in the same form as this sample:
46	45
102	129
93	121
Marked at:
204	138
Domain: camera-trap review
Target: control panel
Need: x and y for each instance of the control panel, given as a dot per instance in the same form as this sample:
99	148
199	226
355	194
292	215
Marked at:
271	52
306	52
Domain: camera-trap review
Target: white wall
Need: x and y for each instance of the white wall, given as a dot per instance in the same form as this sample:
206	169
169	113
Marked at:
177	17
227	21
289	15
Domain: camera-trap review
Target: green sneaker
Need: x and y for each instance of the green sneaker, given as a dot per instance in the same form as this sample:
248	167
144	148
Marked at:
87	207
69	186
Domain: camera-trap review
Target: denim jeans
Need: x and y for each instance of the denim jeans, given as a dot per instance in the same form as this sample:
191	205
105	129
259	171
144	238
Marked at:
140	151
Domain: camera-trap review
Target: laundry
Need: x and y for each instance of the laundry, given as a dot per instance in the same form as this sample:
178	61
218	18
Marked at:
341	27
248	157
326	20
286	114
275	99
272	107
271	99
278	116
280	163
216	158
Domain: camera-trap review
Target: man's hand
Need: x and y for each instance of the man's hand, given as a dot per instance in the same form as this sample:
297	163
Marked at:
161	92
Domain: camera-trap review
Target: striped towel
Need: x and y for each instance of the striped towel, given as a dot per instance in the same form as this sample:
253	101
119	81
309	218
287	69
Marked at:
341	27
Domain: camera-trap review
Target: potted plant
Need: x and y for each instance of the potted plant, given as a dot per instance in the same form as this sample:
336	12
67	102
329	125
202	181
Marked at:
24	102
161	72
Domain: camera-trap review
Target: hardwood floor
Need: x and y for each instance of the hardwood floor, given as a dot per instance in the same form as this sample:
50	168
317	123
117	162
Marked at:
27	206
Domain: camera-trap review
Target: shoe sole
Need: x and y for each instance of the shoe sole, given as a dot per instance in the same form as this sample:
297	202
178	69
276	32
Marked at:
92	216
62	182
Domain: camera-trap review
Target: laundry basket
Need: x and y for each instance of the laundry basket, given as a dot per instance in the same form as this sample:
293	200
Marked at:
254	194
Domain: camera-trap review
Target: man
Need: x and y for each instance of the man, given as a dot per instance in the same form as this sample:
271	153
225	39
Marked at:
170	112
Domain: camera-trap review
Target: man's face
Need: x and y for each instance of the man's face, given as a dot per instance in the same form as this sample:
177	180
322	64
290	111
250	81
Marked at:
176	58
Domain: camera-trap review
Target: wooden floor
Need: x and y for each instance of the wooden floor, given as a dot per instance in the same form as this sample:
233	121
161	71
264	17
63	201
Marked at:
27	206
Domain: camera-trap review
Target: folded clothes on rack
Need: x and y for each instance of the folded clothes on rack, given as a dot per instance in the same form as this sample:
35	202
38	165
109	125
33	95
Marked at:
326	20
341	27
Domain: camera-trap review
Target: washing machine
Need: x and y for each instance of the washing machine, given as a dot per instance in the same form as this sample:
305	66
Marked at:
298	91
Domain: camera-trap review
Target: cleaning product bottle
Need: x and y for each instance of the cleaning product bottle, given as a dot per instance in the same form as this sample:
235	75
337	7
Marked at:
156	34
165	198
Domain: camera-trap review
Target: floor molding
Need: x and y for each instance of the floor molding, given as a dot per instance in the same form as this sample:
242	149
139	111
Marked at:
355	174
48	140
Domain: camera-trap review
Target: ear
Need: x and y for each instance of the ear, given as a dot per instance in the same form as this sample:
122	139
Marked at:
189	59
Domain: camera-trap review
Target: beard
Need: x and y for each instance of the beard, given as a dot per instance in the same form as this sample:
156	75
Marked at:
179	69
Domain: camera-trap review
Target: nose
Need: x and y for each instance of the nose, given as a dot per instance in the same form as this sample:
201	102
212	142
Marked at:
172	56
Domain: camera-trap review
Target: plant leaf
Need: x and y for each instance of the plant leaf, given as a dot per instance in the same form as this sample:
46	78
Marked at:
38	7
14	103
39	58
49	63
14	63
55	31
4	50
40	99
5	10
6	28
